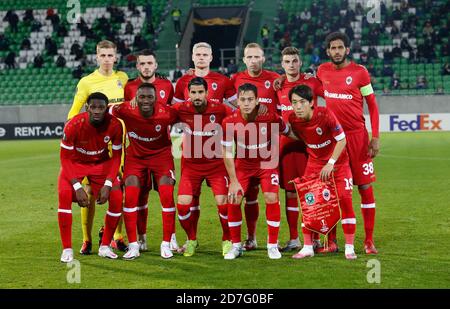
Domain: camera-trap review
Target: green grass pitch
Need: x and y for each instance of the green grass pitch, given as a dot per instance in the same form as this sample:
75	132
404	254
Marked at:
412	231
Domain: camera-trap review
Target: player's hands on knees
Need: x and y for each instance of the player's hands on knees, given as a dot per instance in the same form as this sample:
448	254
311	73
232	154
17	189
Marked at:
326	172
104	195
374	147
234	190
278	83
82	197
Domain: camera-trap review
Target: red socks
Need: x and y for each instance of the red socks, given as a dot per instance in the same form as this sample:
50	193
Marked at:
65	218
112	216
235	222
195	212
168	210
223	216
142	213
251	210
368	211
130	212
292	214
273	222
184	216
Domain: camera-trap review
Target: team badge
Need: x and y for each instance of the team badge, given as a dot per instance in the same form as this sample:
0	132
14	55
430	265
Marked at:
162	94
267	84
348	80
309	198
158	128
212	118
326	195
264	130
119	84
214	86
319	131
106	139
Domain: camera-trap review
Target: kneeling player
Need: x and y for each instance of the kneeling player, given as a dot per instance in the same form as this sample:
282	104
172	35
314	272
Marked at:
84	153
256	138
325	141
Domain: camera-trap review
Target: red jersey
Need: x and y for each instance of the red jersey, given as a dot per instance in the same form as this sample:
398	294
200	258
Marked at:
202	132
256	141
147	136
219	88
83	143
305	79
343	92
320	135
164	90
264	84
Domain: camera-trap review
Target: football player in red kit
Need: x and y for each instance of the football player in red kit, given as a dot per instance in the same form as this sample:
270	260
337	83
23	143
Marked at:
149	155
346	85
255	161
84	153
263	80
325	140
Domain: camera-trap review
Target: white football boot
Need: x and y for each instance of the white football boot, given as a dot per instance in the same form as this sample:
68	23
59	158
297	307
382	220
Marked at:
350	252
67	255
106	252
273	252
166	253
235	252
307	251
173	243
142	240
133	251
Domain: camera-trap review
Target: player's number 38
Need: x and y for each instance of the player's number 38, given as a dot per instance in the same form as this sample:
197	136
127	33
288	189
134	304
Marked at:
368	168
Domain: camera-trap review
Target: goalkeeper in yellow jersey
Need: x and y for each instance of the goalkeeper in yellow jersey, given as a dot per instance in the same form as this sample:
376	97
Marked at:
112	84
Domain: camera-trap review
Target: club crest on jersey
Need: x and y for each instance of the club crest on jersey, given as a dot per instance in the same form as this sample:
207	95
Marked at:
326	195
212	118
106	139
162	94
348	80
309	198
319	131
214	86
267	84
264	130
158	128
119	84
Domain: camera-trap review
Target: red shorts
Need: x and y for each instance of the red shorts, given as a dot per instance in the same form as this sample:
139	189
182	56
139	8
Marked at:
292	165
268	178
192	176
95	173
342	178
361	163
152	168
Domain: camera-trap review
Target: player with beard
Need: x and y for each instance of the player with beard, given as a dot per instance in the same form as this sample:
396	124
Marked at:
146	64
346	85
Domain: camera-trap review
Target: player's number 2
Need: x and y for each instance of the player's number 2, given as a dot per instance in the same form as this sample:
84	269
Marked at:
275	179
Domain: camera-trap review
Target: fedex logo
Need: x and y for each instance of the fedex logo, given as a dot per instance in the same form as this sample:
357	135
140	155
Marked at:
420	123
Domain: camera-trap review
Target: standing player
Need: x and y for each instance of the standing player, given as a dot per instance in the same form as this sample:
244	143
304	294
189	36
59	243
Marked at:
220	89
146	64
112	84
256	138
149	154
345	85
84	153
293	155
318	128
202	119
263	80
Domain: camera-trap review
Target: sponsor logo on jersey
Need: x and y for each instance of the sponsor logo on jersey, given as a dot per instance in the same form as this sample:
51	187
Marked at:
200	133
265	100
144	139
214	86
89	153
267	84
253	146
319	131
162	94
326	195
158	128
212	118
348	80
318	146
341	96
309	198
106	139
287	108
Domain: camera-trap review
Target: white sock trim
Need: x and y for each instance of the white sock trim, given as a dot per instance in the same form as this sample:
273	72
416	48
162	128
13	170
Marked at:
349	221
372	205
234	224
130	209
142	207
273	223
113	214
293	209
66	211
184	217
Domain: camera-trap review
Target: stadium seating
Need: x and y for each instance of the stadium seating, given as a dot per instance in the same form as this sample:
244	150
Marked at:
50	84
